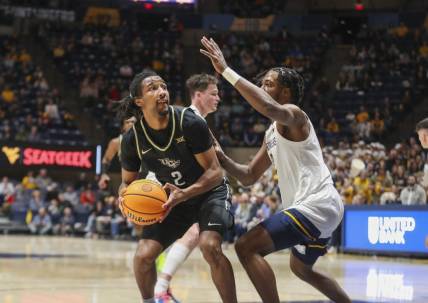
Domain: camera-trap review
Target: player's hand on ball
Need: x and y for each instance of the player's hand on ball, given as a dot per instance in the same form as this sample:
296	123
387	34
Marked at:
213	51
120	200
176	196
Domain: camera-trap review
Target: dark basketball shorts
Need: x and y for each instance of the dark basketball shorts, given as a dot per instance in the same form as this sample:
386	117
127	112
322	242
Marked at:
289	228
211	210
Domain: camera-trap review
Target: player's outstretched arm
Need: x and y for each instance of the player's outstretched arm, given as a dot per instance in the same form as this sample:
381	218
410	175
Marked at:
246	174
260	100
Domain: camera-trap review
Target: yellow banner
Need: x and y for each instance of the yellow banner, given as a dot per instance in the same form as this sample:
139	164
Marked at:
252	24
101	15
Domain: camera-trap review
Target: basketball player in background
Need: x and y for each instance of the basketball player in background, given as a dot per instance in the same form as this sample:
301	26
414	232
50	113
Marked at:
113	148
422	130
176	144
304	181
203	92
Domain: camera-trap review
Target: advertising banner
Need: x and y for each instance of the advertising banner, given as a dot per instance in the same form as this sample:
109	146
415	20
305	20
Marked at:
21	155
388	229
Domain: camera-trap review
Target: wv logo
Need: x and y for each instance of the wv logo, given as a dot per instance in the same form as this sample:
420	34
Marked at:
389	230
12	153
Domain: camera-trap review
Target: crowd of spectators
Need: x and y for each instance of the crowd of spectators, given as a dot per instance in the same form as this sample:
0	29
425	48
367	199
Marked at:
100	62
395	176
387	74
236	122
253	8
49	207
29	107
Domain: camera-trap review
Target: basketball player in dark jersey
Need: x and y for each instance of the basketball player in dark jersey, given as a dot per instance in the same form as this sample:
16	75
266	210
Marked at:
176	144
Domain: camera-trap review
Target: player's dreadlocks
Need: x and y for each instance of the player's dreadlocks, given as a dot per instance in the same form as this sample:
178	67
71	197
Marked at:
127	107
290	78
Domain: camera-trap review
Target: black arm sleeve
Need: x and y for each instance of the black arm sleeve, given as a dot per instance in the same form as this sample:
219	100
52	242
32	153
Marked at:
129	155
196	132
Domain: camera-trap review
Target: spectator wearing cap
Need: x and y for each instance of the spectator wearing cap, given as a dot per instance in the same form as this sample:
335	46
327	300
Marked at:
413	193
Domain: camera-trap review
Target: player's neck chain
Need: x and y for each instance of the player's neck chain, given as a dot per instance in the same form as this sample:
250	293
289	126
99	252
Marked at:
170	139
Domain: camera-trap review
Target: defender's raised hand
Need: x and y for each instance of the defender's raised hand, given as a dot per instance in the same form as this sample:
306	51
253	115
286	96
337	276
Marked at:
213	51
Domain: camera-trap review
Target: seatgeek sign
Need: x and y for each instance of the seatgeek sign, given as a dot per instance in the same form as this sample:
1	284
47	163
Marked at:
21	156
400	229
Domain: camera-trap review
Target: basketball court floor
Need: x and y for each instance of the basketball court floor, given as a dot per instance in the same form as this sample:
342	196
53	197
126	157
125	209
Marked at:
75	270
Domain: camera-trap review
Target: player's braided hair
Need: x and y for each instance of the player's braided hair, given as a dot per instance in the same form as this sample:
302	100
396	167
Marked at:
127	107
290	78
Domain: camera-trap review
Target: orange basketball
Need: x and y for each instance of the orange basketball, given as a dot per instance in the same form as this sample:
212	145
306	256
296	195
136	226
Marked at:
143	200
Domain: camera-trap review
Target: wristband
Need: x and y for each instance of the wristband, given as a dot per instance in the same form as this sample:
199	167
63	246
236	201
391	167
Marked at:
230	75
105	167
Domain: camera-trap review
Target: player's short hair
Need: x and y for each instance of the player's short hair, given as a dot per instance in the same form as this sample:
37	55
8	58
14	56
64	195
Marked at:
127	107
199	83
423	124
290	78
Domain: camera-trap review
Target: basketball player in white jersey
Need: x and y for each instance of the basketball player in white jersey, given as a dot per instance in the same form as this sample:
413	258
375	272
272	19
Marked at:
292	146
203	92
113	148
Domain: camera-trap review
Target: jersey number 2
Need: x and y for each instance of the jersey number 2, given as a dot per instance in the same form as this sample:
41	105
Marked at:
177	178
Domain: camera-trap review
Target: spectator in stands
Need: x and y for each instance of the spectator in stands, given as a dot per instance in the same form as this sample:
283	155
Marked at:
41	223
87	197
401	31
71	196
389	196
422	130
36	201
91	225
43	180
29	182
66	223
8	95
377	126
51	110
7	190
364	186
413	193
7	134
34	135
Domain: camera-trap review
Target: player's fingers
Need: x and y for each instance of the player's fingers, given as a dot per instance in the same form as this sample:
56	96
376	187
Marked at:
208	54
215	45
208	45
122	191
167	187
164	216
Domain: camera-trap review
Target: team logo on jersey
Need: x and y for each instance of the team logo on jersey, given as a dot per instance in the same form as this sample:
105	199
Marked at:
271	143
170	162
180	139
12	153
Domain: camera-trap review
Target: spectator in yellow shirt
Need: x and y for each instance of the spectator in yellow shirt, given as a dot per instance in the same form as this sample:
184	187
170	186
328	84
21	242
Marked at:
8	95
24	57
423	50
364	186
29	182
333	126
402	30
363	115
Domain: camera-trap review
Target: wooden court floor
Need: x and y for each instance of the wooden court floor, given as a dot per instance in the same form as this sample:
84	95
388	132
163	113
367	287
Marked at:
75	270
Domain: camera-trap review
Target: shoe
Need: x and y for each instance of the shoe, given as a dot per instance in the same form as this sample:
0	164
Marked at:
166	297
